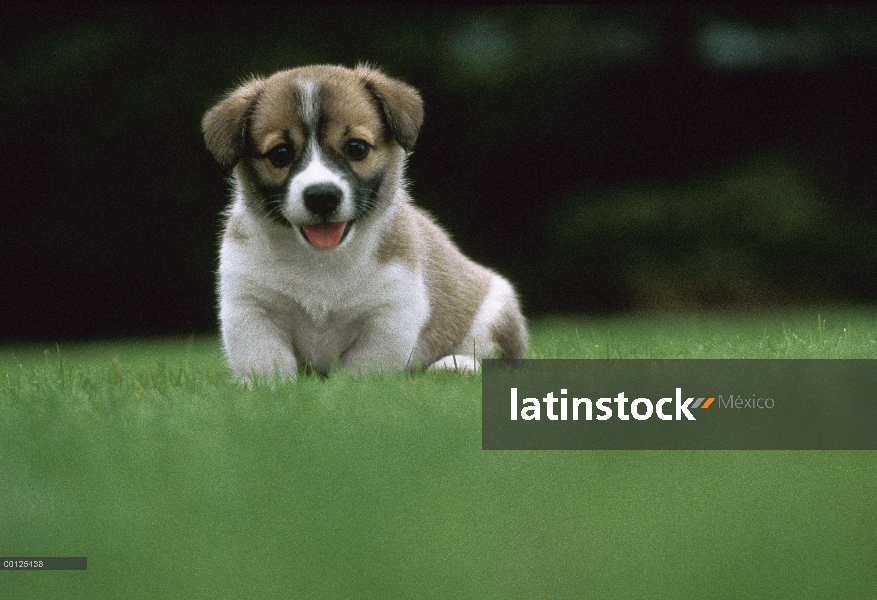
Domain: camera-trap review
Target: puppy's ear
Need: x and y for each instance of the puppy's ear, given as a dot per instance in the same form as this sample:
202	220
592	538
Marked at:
401	103
225	125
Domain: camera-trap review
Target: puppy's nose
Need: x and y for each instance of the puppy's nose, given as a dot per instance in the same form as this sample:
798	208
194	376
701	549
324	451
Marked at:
322	199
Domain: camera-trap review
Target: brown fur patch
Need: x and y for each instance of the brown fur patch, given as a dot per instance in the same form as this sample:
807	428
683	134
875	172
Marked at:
225	124
457	287
510	334
234	231
352	115
401	104
397	242
276	120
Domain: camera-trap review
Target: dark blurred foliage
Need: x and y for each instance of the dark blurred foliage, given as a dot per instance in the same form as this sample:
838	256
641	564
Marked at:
540	122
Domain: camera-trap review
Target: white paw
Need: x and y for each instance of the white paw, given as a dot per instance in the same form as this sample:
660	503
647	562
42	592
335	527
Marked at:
457	362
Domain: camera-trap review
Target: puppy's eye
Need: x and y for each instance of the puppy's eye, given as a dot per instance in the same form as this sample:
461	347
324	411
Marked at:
280	156
356	149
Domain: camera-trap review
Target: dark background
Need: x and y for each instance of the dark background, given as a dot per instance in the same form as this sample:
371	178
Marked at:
605	159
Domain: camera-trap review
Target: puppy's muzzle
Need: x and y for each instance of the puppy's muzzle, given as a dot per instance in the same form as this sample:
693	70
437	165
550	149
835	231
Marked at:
322	199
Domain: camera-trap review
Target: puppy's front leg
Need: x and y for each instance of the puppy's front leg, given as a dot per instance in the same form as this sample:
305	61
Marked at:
255	344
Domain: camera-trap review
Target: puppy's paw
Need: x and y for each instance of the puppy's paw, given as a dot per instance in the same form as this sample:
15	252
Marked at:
457	362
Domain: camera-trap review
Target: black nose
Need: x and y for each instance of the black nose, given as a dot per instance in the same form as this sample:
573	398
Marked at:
322	199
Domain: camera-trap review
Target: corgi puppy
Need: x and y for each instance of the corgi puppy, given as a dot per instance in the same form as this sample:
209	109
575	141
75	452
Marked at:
324	258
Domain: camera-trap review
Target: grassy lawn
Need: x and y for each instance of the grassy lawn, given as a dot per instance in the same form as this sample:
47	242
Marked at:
145	457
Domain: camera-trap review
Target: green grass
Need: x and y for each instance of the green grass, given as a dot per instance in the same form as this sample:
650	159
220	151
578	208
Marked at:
175	482
837	334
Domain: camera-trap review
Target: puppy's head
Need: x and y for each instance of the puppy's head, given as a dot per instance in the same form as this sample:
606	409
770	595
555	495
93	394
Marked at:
317	149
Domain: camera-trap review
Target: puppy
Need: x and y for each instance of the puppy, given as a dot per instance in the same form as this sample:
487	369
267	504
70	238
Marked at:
324	258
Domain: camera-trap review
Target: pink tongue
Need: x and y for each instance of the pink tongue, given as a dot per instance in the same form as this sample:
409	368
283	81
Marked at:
325	235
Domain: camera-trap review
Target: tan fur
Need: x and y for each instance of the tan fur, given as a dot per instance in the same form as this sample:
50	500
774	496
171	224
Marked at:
234	231
398	242
510	334
225	124
457	287
396	292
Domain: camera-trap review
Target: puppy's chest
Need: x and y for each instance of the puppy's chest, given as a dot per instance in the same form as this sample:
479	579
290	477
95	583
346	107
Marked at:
320	301
326	318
